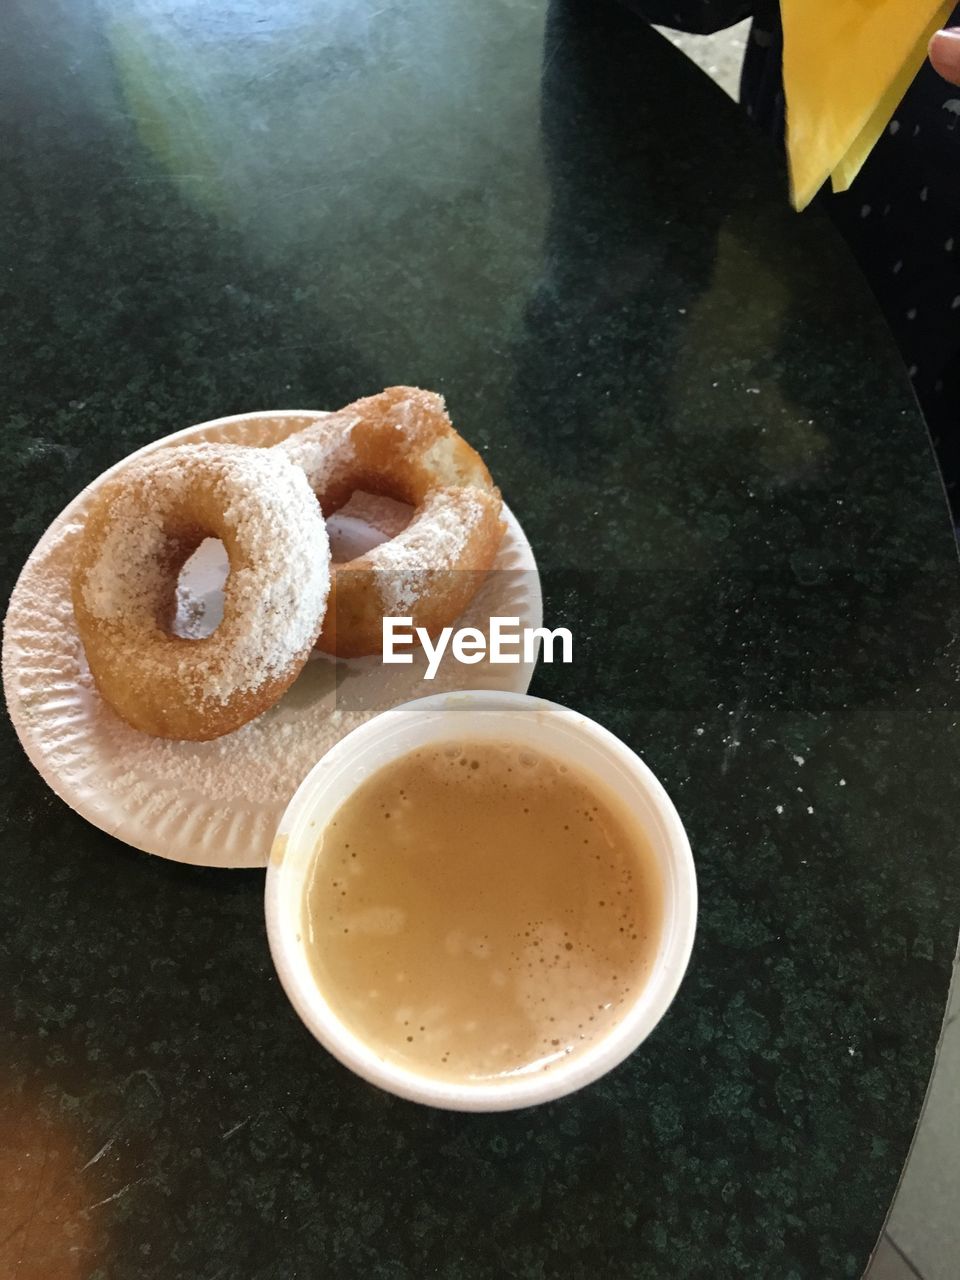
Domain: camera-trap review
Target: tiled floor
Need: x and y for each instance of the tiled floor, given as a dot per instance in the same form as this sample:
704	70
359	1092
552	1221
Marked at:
922	1239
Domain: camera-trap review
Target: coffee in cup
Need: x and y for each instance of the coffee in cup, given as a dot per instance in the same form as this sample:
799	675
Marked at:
478	910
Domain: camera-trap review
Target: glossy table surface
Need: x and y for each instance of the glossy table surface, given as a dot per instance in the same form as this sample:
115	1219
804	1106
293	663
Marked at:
688	398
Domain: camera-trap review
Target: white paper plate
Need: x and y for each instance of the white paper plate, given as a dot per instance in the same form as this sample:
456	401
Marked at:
216	803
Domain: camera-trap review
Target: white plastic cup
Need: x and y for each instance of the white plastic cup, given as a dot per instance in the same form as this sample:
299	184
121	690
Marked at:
469	717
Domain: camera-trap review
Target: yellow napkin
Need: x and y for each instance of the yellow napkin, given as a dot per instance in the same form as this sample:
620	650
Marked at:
846	65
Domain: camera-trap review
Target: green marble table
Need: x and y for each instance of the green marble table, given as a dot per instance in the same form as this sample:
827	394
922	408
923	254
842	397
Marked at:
689	399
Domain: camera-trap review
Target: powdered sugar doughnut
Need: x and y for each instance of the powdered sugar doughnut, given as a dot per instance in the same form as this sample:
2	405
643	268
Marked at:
401	444
144	525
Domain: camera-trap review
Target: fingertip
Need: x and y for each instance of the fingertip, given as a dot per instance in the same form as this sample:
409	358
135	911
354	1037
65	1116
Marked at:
944	53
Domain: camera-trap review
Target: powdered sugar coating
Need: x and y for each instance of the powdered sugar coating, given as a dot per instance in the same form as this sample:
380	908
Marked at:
433	543
324	450
408	423
276	592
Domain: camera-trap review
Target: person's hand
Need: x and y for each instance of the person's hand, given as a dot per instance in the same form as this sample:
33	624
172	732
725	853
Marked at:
945	54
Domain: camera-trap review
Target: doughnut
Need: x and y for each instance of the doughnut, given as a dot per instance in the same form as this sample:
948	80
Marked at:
142	527
400	444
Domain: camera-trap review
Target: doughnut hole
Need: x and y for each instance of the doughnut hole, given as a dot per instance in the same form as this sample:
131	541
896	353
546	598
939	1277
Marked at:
197	607
363	522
